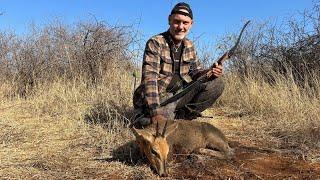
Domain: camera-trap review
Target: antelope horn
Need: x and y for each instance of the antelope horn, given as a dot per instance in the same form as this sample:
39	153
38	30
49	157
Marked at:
157	129
164	129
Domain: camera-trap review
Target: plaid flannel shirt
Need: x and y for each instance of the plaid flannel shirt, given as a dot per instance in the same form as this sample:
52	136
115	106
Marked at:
157	70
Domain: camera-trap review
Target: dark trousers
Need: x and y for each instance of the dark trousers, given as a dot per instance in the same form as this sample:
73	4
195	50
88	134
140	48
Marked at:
194	102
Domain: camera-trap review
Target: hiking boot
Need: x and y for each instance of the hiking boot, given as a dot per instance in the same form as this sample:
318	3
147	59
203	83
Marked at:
186	114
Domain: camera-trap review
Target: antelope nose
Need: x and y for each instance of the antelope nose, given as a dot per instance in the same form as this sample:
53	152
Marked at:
164	174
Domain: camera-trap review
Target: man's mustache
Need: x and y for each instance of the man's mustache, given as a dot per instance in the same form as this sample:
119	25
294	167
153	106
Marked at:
178	31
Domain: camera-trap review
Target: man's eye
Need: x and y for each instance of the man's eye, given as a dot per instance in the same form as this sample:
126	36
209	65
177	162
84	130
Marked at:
176	22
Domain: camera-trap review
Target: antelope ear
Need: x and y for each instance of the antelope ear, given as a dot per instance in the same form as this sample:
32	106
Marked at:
171	129
141	133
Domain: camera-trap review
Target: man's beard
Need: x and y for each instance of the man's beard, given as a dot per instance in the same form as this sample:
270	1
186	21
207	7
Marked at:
179	36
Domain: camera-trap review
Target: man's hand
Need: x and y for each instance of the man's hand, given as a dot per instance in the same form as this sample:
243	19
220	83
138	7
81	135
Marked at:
216	71
160	118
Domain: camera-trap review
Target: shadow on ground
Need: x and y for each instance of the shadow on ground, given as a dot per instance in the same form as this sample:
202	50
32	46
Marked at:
127	153
113	117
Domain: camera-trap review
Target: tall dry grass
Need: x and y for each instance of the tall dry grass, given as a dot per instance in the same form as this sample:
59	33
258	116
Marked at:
65	103
274	80
282	109
70	130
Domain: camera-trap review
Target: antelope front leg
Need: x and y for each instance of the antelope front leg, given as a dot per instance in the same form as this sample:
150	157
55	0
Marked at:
210	152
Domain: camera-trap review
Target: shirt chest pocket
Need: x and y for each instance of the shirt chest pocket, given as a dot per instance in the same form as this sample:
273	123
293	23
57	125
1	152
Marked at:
166	64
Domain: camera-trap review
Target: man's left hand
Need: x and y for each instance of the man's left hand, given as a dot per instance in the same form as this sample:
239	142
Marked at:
217	70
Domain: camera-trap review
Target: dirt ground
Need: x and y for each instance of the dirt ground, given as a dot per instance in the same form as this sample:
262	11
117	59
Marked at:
249	163
253	159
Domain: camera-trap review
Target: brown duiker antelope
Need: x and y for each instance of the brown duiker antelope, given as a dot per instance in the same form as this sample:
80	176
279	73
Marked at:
183	137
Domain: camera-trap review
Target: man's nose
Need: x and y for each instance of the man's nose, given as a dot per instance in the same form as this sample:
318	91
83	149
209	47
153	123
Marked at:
180	25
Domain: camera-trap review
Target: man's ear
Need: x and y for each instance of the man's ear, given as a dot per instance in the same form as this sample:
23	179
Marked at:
141	133
171	129
169	19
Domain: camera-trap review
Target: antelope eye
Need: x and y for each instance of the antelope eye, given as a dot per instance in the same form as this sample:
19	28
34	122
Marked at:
154	152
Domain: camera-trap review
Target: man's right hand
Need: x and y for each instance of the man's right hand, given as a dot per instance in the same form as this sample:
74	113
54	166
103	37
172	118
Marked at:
160	118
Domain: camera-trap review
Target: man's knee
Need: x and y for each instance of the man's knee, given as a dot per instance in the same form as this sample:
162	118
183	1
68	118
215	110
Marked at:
216	87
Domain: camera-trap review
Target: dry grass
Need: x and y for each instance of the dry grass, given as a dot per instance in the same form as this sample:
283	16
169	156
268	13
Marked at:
71	130
67	130
281	110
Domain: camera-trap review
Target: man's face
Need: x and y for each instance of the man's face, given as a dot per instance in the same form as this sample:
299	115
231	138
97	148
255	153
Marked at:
179	26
